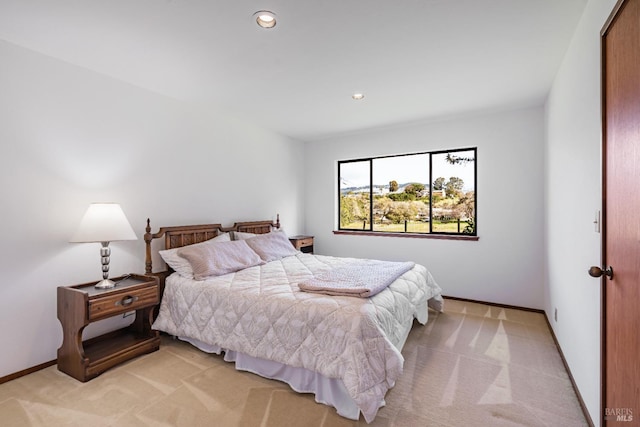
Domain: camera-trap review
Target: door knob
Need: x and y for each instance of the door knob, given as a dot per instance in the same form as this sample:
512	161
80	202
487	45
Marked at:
597	272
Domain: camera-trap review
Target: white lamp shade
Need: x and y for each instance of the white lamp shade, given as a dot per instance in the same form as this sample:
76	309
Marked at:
104	222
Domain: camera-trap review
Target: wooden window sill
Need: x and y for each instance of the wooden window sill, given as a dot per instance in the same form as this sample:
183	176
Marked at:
408	235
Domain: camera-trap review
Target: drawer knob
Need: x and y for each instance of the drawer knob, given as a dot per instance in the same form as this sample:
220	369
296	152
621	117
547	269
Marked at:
128	300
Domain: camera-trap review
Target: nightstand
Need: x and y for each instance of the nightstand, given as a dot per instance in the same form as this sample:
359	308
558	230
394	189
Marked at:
302	243
80	305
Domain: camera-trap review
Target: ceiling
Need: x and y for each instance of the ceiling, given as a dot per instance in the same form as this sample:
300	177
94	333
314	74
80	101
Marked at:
413	59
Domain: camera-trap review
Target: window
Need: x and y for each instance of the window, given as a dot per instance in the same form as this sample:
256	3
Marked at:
420	193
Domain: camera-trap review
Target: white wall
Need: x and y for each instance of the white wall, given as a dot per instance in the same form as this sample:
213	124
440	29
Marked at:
573	195
70	137
506	264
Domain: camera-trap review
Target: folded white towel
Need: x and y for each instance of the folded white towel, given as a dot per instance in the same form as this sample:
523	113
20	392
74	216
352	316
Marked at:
363	278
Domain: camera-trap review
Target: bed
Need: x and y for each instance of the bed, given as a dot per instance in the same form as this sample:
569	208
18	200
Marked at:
343	349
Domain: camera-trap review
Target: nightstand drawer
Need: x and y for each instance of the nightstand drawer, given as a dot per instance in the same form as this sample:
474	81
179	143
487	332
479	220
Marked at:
301	243
123	302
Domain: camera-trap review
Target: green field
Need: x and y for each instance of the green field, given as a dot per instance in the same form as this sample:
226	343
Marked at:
413	227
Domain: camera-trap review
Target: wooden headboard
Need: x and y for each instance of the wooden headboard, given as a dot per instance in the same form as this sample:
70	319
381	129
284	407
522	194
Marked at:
178	236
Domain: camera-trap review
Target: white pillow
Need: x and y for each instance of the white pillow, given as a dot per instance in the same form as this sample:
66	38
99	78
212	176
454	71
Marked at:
179	264
271	246
220	258
241	235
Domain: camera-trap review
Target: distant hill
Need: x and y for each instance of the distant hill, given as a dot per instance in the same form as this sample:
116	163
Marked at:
379	187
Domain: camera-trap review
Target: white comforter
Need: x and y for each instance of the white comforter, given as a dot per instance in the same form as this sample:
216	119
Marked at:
260	311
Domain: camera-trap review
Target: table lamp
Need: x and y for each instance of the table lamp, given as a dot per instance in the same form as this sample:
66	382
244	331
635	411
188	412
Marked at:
104	223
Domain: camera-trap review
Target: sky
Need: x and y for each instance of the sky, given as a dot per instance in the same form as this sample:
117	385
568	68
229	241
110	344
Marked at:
403	169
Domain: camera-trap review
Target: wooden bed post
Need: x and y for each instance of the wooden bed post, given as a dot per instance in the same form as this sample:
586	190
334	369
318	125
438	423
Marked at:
147	240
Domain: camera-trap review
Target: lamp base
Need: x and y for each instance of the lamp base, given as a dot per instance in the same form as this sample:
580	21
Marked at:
105	284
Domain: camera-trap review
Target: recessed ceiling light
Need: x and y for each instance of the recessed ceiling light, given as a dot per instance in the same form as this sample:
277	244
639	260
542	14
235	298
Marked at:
358	96
265	19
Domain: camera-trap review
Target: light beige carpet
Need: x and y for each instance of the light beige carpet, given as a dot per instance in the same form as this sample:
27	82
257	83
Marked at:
473	365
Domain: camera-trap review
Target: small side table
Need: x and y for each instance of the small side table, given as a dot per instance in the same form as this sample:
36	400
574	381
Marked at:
302	243
80	305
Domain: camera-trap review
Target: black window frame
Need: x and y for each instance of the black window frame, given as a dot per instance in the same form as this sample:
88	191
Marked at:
431	233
